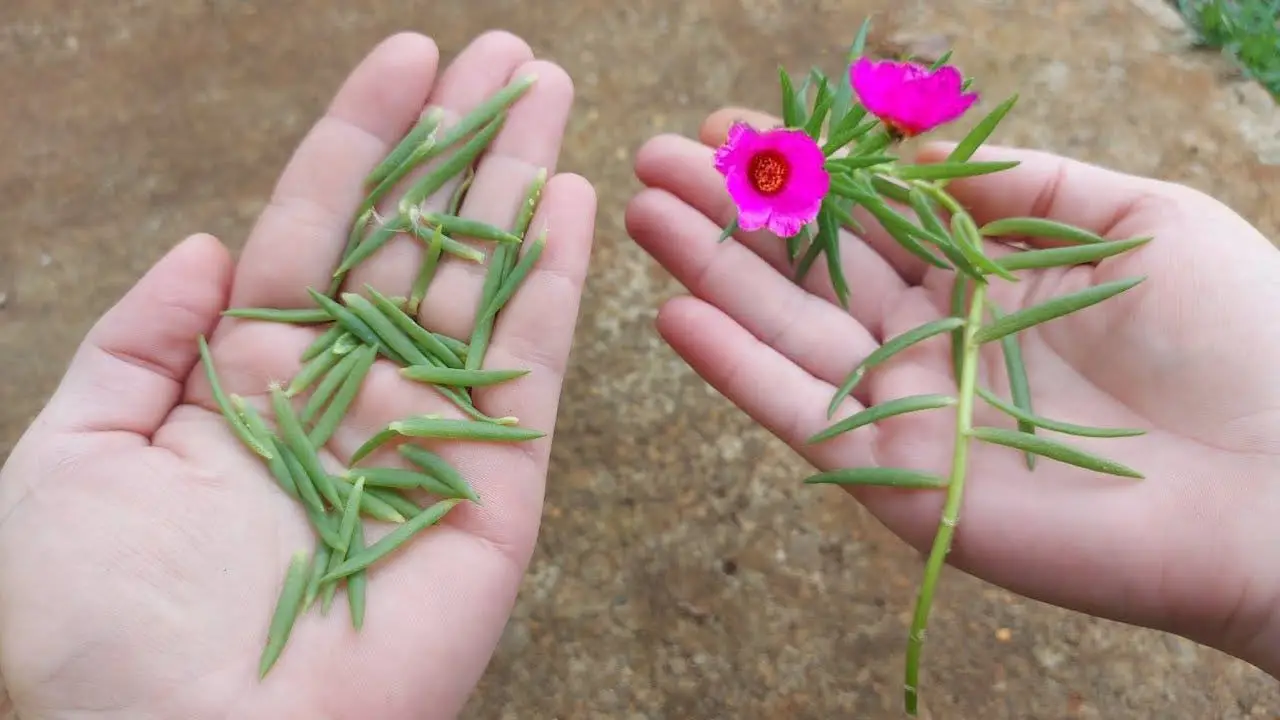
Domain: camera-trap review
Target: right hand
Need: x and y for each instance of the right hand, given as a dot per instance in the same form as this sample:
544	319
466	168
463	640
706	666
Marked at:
1192	355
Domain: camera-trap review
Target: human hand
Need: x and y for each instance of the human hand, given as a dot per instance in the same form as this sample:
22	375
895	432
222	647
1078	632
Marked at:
142	547
1189	356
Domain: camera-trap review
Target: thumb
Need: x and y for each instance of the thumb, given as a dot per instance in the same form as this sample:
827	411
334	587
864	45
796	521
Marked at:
1044	185
131	368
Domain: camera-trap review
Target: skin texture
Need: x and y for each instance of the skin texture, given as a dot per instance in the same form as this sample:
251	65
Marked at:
1189	355
142	547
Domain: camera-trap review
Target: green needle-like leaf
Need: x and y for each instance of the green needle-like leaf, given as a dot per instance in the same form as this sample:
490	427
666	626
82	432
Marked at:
844	214
1024	416
821	106
1040	228
829	237
1019	385
980	132
899	227
952	170
969	244
1053	309
792	102
959	293
942	60
881	411
932	224
797	242
729	230
876	142
886	351
888	188
859	44
1070	255
853	125
847	164
881	476
1053	450
806	262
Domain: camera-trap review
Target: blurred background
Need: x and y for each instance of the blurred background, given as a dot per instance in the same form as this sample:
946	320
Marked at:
683	572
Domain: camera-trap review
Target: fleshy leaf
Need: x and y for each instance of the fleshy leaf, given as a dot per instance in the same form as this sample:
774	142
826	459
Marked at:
852	126
880	476
792	102
959	293
968	242
858	162
886	351
843	214
797	242
980	132
859	44
829	238
930	221
1070	255
1053	450
1053	309
1019	385
821	106
890	189
729	230
1041	228
806	262
898	226
1024	416
874	144
951	170
881	411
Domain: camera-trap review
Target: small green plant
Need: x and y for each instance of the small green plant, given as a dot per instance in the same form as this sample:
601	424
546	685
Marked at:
1248	31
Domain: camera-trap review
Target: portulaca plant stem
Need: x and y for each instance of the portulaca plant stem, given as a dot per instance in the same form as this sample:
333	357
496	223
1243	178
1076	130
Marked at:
955	494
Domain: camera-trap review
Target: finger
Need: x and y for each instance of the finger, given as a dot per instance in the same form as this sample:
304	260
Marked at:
716	127
1044	185
480	70
130	371
529	141
816	335
778	394
470	567
534	332
684	169
299	237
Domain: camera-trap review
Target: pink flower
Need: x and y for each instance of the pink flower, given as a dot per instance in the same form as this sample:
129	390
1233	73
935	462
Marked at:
908	97
776	178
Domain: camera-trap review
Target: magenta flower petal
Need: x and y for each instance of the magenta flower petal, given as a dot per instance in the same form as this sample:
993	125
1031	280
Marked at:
909	97
727	155
776	178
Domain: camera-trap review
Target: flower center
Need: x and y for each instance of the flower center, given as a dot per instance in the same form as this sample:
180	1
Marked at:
768	172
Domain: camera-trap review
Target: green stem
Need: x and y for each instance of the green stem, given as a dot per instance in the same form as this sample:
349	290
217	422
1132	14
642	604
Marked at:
955	494
943	198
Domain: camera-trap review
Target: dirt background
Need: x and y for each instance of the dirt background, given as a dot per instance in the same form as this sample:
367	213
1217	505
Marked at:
683	572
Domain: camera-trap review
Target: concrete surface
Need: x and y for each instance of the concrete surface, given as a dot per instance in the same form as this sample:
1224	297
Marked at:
683	572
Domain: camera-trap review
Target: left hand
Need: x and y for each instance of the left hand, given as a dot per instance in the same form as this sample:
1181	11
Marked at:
142	547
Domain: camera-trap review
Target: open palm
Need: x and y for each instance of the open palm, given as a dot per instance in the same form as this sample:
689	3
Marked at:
142	547
1189	356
